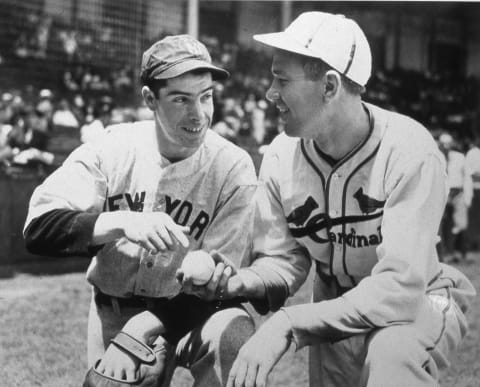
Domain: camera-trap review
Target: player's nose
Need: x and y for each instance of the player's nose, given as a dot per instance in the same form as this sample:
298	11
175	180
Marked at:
195	113
272	95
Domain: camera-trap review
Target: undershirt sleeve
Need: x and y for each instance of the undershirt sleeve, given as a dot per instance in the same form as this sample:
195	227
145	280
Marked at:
62	233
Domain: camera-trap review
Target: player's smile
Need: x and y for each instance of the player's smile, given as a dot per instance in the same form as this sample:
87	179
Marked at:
283	110
193	130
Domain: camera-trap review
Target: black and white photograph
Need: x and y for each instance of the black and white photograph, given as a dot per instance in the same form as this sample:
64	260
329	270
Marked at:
238	193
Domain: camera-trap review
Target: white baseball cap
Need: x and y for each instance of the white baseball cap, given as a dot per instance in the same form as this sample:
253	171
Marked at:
335	39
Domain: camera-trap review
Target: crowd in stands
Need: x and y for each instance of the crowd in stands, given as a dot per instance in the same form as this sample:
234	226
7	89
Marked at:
87	98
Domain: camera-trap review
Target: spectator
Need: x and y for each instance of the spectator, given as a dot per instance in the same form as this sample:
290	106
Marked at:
472	161
23	143
228	128
63	115
102	117
455	220
44	110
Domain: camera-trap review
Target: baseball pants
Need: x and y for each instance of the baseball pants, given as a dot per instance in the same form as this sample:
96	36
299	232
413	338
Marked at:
396	356
208	350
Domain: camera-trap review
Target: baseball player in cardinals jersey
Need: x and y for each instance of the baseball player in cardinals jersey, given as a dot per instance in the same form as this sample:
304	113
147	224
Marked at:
359	191
137	200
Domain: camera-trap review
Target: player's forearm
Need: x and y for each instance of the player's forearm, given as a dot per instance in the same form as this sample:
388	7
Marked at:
108	227
61	232
325	321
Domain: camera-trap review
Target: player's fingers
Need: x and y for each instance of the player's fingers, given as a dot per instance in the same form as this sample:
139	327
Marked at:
119	374
241	374
187	284
100	367
251	376
234	374
108	371
157	243
130	374
165	236
219	257
179	233
262	377
147	245
217	275
222	284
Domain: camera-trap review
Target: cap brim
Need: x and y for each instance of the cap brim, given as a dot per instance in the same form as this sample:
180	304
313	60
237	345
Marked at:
285	42
218	74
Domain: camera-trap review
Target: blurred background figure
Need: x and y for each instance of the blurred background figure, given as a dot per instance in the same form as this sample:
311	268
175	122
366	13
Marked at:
45	107
22	143
453	246
102	115
472	161
64	116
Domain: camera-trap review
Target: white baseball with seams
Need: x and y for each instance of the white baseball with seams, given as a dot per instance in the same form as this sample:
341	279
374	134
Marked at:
199	266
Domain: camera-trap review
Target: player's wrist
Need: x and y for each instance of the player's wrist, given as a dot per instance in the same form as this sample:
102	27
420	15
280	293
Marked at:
109	226
246	283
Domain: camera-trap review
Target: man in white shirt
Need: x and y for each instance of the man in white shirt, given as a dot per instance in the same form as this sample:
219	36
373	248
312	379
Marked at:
455	219
472	161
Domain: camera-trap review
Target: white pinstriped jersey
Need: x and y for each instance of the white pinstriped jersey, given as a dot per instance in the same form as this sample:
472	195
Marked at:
371	220
210	191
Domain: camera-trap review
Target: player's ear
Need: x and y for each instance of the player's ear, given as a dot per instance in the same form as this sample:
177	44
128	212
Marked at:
332	83
149	97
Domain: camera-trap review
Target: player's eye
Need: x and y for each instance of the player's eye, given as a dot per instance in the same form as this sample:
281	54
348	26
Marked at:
180	99
207	97
281	81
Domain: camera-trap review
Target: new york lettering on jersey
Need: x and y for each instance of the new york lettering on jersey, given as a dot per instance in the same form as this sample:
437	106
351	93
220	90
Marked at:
181	211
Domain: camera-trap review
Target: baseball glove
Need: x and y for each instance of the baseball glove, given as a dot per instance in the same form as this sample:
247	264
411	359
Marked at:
152	364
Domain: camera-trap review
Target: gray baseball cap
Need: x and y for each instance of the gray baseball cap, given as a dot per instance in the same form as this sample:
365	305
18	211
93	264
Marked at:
175	55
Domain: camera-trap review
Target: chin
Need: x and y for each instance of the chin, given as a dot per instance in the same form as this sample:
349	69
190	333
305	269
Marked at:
291	130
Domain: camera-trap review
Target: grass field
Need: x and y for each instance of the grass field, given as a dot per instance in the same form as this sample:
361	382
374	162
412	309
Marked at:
43	316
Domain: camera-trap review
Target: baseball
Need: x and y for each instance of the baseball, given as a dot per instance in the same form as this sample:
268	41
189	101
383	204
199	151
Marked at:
199	266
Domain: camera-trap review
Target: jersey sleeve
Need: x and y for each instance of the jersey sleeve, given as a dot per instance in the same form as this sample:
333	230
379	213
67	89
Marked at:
278	259
393	291
230	231
64	208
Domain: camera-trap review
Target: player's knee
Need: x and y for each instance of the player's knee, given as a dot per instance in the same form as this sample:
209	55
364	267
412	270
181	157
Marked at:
228	329
390	347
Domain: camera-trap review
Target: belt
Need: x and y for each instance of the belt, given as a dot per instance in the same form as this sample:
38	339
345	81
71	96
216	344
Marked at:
151	303
130	302
330	281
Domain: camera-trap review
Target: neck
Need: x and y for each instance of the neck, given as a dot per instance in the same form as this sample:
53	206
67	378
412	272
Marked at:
345	130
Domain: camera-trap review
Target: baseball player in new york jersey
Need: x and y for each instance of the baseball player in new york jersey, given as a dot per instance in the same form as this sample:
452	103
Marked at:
360	192
137	200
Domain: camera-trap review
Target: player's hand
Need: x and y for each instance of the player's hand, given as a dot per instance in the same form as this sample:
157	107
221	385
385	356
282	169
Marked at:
154	231
117	364
261	352
217	287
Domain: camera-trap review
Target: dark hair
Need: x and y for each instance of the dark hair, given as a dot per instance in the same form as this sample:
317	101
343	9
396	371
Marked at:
316	68
156	84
